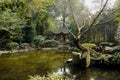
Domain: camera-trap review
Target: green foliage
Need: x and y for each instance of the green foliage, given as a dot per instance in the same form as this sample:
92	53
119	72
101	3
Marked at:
49	77
110	59
34	11
104	61
116	58
29	34
12	45
38	40
10	21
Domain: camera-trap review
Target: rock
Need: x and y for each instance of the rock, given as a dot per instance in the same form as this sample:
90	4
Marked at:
112	50
69	60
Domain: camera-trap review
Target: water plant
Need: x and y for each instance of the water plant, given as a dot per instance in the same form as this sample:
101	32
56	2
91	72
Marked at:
48	77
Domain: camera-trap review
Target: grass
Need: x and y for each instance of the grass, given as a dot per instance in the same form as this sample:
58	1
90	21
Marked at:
20	66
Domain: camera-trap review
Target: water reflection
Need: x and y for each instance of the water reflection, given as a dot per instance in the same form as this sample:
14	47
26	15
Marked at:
75	73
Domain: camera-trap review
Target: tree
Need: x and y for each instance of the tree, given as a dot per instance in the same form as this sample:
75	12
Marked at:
106	29
117	8
28	34
10	23
109	27
83	21
33	11
82	18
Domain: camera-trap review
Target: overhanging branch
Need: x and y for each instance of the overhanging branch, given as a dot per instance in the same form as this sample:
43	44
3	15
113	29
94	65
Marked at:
77	25
69	31
94	20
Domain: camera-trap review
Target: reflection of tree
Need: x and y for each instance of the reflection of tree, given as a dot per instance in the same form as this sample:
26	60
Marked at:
77	73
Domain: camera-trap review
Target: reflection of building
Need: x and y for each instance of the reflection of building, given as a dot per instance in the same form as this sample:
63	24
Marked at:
60	34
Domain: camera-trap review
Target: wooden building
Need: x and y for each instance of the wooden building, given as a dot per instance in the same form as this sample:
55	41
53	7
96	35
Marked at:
60	34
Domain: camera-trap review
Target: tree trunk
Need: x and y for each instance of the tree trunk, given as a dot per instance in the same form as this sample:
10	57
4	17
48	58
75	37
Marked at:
79	46
84	61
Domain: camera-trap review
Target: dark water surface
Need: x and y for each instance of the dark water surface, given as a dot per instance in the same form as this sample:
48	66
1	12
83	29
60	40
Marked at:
19	66
91	73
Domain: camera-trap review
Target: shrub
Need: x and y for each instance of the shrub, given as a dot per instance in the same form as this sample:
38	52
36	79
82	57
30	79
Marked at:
110	59
116	58
38	40
12	45
29	34
51	43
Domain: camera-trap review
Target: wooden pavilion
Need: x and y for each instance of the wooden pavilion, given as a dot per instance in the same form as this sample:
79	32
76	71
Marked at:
60	34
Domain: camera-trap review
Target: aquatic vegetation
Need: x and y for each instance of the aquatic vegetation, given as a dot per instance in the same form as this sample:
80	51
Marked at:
48	77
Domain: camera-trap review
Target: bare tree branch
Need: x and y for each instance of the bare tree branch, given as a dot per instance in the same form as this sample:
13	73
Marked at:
69	31
108	17
94	20
82	27
91	16
77	25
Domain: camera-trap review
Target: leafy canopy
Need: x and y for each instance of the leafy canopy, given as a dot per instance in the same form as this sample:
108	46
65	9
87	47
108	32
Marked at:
10	22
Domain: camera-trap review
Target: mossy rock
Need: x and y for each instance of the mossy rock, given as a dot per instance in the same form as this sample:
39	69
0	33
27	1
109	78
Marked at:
105	43
88	45
76	53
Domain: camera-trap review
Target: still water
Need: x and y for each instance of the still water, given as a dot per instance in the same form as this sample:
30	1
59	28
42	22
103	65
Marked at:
21	65
90	73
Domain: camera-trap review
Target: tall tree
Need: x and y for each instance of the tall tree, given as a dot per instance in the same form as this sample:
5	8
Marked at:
11	23
34	11
83	23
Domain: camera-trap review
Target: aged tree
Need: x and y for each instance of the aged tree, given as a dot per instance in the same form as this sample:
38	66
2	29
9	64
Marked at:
83	21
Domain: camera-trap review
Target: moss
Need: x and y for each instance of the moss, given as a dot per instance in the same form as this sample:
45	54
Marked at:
88	45
105	43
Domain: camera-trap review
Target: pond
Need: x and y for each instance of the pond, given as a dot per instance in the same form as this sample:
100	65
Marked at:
75	73
20	65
